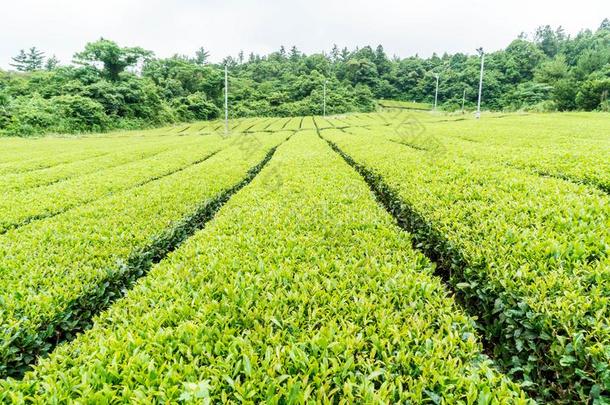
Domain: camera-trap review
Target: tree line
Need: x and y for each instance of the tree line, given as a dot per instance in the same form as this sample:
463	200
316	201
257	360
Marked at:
112	87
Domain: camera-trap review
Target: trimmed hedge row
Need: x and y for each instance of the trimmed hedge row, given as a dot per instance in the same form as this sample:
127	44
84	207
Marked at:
51	268
531	253
23	206
576	149
300	290
46	160
113	156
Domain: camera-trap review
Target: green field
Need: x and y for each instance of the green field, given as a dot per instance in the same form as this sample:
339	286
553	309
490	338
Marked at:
403	105
394	257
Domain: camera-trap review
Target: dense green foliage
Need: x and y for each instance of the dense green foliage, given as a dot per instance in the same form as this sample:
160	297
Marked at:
115	87
299	291
517	236
300	287
21	206
64	280
577	150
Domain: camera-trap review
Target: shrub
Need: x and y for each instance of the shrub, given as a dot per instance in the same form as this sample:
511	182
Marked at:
30	115
79	114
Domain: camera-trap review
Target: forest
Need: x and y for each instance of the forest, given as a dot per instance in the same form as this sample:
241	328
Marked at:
107	86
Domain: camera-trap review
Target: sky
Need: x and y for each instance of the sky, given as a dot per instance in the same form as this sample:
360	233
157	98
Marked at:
224	27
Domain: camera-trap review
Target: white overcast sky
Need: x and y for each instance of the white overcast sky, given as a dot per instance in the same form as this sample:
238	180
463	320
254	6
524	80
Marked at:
404	28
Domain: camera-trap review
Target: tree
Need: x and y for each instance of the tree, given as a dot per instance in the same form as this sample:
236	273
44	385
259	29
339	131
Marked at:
362	71
51	63
201	56
334	54
77	113
177	77
549	40
590	61
230	62
549	70
564	94
30	61
552	71
35	59
521	59
294	54
113	58
593	93
5	115
381	61
528	94
197	107
345	54
20	61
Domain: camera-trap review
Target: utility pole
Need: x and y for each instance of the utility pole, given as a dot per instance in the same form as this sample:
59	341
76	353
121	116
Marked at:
463	101
226	101
324	106
482	54
436	93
